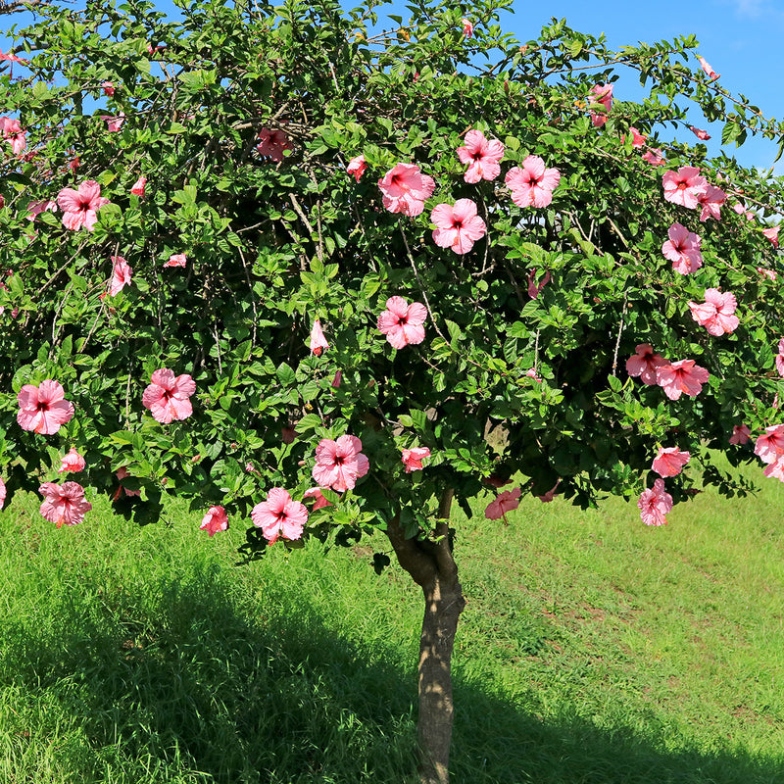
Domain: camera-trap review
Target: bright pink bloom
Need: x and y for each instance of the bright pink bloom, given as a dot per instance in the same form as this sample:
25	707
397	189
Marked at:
12	132
318	343
699	133
670	461
770	446
683	249
675	378
412	458
340	463
533	185
64	504
654	504
12	58
740	434
775	470
772	234
638	140
121	275
43	409
711	202
459	227
768	273
79	207
273	144
280	515
684	187
215	520
176	260
35	208
113	124
321	502
716	313
403	323
468	28
139	187
3	493
780	358
644	363
482	156
72	463
504	502
531	373
601	94
122	473
404	189
357	166
108	88
167	396
705	65
654	157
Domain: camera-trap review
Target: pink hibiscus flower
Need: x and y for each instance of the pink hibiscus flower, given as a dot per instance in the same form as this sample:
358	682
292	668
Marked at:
3	493
533	184
705	65
699	133
711	202
775	470
768	273
412	458
740	434
139	187
113	124
675	378
357	166
320	502
482	156
12	58
549	496
108	88
504	502
638	139
279	515
459	227
340	463
121	275
534	288
123	473
654	157
644	363
403	323
64	504
80	206
35	208
12	131
683	249
772	234
601	94
176	260
72	463
654	504
404	189
215	520
670	461
273	144
684	187
770	446
43	409
318	343
716	314
167	396
468	28
780	358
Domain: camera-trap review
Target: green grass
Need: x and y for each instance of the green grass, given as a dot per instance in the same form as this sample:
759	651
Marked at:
592	649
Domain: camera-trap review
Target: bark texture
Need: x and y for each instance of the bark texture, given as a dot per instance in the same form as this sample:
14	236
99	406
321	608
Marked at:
433	568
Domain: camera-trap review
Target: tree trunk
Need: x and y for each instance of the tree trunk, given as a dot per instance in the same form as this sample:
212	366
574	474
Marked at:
433	567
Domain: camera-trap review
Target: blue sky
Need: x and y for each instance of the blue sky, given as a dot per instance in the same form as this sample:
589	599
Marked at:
742	39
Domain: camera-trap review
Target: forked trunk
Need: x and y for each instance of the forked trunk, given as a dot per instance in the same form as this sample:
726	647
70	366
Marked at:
432	566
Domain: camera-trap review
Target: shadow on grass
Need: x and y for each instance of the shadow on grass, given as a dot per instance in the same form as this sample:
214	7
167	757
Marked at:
187	683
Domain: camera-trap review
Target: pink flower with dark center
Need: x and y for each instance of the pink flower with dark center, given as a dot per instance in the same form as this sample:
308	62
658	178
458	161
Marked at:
504	502
482	156
533	184
684	376
740	434
403	323
279	515
654	504
670	461
601	94
654	157
468	28
320	502
412	458
215	520
273	143
716	314
711	202
176	260
699	133
72	463
705	65
780	358
43	409
167	396
683	249
80	206
139	187
340	463
35	208
458	227
121	275
318	343
64	504
108	88
684	187
772	234
404	189
770	446
357	166
12	132
113	124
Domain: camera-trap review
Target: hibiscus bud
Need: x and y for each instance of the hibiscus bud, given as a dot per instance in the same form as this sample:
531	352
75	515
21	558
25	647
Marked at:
287	434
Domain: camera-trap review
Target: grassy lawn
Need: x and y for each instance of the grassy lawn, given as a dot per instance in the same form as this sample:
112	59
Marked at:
593	649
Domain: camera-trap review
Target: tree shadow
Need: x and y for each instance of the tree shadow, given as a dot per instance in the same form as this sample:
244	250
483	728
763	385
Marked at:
195	685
